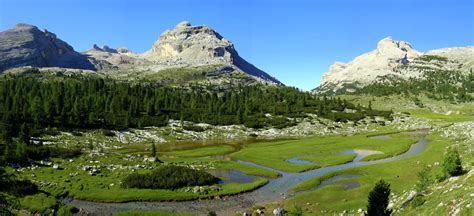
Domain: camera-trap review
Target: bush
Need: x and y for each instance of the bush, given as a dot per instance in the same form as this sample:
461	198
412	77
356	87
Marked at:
255	123
108	133
169	177
211	213
194	128
452	164
76	133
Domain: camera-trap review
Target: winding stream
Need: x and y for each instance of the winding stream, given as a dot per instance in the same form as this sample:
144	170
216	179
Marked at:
275	190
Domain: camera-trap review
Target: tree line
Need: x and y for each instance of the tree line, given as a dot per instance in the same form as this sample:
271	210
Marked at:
32	105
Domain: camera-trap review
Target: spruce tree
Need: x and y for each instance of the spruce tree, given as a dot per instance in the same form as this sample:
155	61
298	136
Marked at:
452	165
153	149
378	200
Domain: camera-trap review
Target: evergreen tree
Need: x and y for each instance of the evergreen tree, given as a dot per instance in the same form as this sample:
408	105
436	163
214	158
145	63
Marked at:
423	179
153	149
24	134
378	200
452	164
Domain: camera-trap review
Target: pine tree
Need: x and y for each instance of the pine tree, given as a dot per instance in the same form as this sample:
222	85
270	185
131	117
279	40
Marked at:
378	200
452	165
423	179
24	134
153	149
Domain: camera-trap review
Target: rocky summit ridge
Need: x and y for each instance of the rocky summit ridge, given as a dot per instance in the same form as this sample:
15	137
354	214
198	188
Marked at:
181	47
26	45
199	45
387	60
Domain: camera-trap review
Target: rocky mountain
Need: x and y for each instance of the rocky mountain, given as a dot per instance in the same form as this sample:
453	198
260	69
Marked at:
185	46
26	45
195	52
394	59
199	45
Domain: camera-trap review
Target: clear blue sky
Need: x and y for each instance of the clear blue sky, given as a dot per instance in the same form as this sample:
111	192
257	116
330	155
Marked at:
293	40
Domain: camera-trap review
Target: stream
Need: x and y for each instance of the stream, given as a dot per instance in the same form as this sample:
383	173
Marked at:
276	189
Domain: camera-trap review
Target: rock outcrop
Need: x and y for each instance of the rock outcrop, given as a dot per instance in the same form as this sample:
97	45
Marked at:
26	45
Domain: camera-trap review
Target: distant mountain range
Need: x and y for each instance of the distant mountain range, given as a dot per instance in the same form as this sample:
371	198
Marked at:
198	54
393	59
197	47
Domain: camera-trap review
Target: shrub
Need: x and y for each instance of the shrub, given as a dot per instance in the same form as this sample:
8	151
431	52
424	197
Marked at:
108	133
169	177
194	128
76	133
211	213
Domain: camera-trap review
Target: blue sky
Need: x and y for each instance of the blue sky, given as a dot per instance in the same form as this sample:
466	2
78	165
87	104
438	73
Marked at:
293	40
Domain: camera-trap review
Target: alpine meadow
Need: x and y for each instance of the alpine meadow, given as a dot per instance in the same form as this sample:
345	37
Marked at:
189	126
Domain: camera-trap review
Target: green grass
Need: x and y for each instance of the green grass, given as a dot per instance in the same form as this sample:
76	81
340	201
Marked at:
326	151
182	75
144	213
200	152
118	194
38	203
105	187
402	176
247	169
437	116
314	182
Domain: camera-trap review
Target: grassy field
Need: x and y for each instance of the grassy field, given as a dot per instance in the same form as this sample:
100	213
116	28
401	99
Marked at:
117	159
132	213
402	175
324	151
200	152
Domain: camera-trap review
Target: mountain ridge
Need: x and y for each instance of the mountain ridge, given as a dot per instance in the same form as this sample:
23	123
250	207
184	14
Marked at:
181	47
387	60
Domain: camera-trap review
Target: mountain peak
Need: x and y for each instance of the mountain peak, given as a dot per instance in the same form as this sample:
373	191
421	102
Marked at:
367	67
387	42
390	43
183	24
24	26
199	45
26	45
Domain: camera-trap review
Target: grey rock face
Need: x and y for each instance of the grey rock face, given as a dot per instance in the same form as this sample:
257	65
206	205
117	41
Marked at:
26	45
199	45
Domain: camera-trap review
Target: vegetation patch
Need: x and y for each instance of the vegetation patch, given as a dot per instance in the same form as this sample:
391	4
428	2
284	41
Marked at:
169	177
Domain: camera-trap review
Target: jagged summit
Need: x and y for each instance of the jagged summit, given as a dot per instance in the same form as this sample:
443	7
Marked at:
183	24
182	47
26	45
104	48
